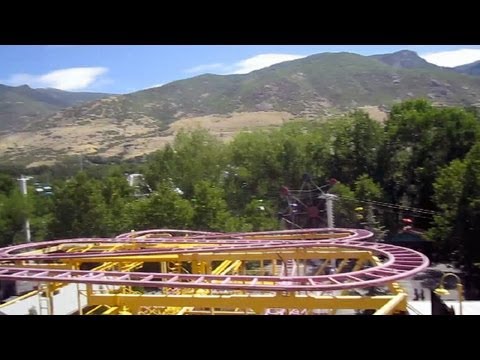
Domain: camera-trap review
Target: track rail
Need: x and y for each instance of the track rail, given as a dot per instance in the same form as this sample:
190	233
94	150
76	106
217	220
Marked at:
398	262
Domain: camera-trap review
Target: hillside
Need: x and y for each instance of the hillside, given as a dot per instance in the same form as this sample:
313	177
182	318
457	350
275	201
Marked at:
405	59
319	85
22	104
469	69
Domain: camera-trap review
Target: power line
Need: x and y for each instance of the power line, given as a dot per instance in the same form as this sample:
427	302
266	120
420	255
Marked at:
395	211
369	202
392	206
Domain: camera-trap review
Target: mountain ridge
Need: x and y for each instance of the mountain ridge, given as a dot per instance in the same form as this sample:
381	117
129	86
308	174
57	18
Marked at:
319	85
21	104
469	69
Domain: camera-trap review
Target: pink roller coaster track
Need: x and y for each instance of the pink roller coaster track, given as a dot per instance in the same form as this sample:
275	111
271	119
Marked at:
398	262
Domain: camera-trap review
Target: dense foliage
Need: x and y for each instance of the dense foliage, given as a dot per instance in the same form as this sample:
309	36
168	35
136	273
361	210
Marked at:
422	156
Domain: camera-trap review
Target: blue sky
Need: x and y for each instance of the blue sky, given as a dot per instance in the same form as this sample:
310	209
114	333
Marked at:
129	68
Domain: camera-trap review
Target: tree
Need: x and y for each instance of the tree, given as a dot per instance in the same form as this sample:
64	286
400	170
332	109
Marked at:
261	216
117	194
14	209
7	184
256	163
448	189
467	225
210	208
41	216
193	157
420	139
356	141
367	190
165	208
344	207
79	209
457	195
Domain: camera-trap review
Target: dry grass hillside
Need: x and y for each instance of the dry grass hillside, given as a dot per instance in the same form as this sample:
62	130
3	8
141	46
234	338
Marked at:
318	86
128	139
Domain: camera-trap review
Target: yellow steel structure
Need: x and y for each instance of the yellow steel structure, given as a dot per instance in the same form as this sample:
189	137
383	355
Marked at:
101	256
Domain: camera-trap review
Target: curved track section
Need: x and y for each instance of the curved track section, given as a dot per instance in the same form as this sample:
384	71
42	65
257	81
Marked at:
396	262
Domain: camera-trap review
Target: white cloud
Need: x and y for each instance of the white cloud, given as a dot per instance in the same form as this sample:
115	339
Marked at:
155	86
247	65
262	61
453	58
64	79
204	68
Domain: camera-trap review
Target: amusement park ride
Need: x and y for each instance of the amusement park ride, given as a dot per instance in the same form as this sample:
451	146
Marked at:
316	270
306	205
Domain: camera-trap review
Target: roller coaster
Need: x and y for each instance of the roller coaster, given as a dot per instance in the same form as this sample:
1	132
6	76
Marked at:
181	272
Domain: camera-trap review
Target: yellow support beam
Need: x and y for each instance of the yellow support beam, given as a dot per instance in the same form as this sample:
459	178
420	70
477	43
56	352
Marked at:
20	298
220	268
122	300
40	266
307	236
234	267
112	310
224	268
360	262
245	301
94	309
395	288
244	256
321	269
217	312
341	266
397	303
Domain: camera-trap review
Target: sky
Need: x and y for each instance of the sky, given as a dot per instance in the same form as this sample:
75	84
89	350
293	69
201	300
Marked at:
128	68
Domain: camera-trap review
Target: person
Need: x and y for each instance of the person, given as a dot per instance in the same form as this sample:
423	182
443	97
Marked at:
422	295
415	292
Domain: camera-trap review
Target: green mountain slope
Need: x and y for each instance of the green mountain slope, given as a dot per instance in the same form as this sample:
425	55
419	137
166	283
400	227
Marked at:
310	86
20	105
405	59
469	69
319	85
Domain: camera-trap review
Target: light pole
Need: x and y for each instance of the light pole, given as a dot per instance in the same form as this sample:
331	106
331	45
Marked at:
23	190
442	291
330	219
329	208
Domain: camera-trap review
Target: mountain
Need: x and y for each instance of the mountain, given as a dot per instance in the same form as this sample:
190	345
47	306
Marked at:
405	59
69	98
20	105
324	84
469	69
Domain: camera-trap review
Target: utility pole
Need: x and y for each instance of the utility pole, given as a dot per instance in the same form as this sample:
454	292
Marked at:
329	209
23	190
330	218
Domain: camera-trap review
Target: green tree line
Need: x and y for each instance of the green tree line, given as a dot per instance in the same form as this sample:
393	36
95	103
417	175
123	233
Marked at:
421	156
